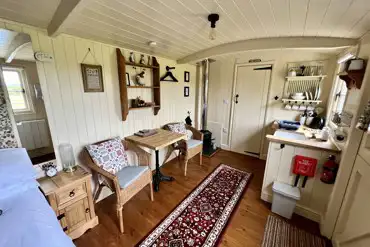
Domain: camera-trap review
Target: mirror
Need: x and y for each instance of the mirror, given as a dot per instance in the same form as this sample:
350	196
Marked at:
25	120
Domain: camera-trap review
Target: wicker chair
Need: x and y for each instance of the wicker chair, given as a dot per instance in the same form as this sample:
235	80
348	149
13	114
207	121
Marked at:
189	148
112	181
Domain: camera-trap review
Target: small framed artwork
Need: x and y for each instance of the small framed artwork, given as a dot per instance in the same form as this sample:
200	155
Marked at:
186	76
92	78
186	91
128	83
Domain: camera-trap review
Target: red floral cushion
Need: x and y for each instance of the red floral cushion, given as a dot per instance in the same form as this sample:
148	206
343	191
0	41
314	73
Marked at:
178	128
109	155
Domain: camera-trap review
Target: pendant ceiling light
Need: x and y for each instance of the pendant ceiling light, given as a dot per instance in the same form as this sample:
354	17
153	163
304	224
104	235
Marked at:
213	18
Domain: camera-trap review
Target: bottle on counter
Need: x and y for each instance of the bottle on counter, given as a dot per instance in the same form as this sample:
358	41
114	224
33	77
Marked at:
325	133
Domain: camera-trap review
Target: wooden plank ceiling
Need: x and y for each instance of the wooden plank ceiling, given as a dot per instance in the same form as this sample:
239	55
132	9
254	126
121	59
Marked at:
180	27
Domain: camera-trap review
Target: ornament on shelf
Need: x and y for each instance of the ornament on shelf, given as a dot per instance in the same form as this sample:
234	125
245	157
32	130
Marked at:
140	78
132	57
364	119
142	59
137	102
149	62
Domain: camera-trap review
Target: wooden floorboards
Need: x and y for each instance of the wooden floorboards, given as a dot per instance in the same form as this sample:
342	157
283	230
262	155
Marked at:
140	215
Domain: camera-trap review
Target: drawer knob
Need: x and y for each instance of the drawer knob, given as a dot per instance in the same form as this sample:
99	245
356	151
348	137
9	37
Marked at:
71	194
87	210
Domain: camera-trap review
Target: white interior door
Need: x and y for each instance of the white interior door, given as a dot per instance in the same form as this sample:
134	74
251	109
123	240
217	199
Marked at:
250	99
353	227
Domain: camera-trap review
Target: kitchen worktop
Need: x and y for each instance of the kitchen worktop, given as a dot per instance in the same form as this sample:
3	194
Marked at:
301	138
279	167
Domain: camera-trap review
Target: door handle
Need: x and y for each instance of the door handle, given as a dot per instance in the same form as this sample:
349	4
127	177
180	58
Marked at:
236	99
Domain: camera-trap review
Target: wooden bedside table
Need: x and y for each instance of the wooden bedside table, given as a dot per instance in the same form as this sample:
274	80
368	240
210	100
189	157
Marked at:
69	194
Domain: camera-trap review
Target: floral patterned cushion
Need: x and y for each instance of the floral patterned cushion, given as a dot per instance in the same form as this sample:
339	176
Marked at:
109	155
178	128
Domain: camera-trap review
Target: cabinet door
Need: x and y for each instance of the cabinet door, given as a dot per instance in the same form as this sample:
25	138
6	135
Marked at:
353	226
75	215
271	170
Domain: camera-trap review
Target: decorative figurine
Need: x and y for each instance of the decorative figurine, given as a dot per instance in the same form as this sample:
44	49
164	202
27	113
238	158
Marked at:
138	102
140	78
149	62
142	59
188	120
132	57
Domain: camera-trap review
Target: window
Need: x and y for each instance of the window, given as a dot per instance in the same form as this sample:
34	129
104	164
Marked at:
16	84
340	96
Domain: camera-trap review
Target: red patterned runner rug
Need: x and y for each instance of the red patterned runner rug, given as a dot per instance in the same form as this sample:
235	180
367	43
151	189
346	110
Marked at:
202	216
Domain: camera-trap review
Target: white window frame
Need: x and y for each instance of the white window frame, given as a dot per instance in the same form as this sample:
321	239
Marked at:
27	93
334	96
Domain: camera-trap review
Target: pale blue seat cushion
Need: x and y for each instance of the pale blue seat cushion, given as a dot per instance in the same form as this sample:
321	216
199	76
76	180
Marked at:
129	174
193	143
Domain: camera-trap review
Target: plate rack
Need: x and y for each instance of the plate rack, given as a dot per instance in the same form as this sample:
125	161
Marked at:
302	84
308	82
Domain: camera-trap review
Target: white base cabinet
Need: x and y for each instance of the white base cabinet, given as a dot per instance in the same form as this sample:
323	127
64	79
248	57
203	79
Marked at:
279	166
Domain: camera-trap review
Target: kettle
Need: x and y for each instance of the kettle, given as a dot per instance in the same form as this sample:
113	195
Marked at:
317	123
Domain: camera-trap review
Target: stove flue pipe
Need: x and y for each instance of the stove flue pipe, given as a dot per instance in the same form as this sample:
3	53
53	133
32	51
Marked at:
205	70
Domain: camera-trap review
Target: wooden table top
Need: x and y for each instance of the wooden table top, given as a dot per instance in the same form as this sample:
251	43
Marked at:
62	179
158	141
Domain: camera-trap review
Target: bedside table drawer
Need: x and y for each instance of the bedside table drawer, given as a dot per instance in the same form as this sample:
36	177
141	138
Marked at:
71	193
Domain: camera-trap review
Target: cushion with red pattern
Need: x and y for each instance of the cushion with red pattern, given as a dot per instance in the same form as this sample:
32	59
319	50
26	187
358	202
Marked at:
109	155
178	128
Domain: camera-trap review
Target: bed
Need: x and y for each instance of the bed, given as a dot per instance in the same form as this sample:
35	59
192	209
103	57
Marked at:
26	219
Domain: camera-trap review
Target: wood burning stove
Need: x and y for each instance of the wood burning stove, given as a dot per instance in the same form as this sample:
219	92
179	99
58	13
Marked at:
208	142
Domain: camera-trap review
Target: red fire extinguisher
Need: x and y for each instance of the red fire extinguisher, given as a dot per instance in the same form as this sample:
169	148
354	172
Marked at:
329	172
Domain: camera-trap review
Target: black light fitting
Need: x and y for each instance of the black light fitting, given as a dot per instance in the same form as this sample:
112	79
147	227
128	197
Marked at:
213	18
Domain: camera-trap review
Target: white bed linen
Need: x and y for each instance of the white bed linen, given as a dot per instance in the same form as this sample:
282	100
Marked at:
27	220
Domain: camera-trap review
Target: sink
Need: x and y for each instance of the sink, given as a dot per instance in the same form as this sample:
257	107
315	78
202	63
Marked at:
290	135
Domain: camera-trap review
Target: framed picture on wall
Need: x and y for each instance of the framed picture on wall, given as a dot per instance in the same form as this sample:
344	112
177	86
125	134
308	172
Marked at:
92	77
186	76
128	83
186	91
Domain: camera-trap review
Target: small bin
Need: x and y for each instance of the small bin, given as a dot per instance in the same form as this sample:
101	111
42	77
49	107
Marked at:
284	199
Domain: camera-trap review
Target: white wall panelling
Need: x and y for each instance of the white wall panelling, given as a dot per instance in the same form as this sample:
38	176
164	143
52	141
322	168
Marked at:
181	28
222	76
351	148
34	134
81	118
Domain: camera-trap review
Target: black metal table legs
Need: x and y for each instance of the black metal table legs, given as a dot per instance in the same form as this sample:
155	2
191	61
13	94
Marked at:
158	176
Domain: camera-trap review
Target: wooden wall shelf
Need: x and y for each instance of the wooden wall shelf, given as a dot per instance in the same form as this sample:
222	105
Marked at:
156	86
142	65
353	78
143	107
141	87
